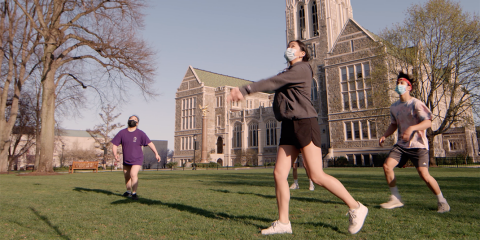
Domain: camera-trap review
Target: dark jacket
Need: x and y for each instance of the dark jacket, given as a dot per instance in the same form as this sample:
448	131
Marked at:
292	92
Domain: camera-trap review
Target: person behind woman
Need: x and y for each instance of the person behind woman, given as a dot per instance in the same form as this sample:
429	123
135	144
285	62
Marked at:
299	133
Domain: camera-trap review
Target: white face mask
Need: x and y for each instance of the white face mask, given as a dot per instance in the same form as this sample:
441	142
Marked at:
290	54
400	89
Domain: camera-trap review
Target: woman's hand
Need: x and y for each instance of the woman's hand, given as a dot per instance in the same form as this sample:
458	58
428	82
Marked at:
235	95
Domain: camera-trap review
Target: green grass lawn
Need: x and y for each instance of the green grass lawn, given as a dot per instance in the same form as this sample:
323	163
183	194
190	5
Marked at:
233	204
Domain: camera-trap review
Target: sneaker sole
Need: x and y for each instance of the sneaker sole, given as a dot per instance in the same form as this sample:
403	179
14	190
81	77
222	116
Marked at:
276	233
392	206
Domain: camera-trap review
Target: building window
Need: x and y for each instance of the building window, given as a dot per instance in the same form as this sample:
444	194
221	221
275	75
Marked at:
219	101
454	145
219	118
188	113
237	135
301	17
315	19
250	104
253	135
314	90
360	130
356	87
271	138
352	46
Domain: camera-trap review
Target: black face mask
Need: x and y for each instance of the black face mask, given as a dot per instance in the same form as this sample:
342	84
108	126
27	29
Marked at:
132	123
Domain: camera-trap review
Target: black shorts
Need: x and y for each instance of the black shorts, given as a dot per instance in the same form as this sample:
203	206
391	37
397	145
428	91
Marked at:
300	133
418	156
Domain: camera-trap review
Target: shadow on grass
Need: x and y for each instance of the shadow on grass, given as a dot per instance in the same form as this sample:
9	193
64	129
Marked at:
79	189
183	208
300	199
45	219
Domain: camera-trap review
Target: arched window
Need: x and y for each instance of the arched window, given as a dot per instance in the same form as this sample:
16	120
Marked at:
253	134
314	90
271	139
237	135
315	19
301	17
219	145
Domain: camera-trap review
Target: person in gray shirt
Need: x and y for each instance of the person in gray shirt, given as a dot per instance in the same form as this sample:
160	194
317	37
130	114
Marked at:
299	133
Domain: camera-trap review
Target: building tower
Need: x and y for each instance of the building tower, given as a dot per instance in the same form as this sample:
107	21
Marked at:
317	23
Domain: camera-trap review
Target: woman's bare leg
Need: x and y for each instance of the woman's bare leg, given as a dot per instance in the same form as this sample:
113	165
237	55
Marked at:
285	156
313	163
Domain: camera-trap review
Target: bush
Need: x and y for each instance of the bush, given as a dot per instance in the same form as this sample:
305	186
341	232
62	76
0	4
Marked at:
172	164
270	164
238	164
340	161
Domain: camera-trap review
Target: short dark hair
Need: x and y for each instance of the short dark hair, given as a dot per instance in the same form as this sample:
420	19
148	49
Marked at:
304	48
401	74
135	116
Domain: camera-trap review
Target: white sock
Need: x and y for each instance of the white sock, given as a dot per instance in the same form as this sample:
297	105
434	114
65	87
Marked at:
129	191
441	198
283	223
295	181
394	191
311	182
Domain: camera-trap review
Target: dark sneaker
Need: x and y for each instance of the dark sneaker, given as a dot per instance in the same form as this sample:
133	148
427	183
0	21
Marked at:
134	196
127	194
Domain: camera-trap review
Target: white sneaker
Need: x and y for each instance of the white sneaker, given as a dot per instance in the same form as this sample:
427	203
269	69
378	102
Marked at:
278	228
394	202
443	207
312	186
294	186
357	218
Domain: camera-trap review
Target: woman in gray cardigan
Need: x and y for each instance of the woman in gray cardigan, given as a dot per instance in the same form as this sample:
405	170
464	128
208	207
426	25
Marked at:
300	133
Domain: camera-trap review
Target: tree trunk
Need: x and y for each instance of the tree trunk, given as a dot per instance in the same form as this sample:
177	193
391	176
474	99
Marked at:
4	157
47	134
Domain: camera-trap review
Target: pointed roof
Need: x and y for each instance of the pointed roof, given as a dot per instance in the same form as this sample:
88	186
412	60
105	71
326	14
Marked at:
212	79
368	33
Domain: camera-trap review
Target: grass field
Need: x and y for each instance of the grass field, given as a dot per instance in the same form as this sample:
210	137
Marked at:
233	204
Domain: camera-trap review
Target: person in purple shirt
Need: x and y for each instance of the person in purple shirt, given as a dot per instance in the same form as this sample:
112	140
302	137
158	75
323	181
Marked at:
132	141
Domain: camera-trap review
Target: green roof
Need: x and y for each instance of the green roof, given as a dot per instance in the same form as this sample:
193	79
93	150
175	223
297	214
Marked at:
218	80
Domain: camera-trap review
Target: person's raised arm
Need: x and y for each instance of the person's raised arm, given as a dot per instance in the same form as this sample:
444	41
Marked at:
425	124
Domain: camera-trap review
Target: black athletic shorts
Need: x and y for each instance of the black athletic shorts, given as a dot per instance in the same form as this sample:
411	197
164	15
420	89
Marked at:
418	156
300	133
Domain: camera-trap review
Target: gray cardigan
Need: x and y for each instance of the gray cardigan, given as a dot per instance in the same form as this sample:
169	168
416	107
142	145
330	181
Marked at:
292	92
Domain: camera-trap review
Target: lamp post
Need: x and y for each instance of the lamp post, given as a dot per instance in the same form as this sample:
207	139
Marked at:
194	150
63	148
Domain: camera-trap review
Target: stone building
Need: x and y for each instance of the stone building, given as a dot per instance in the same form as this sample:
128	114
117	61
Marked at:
352	113
247	125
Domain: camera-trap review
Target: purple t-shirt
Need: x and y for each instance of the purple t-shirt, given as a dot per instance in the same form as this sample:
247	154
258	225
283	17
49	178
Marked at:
132	143
406	114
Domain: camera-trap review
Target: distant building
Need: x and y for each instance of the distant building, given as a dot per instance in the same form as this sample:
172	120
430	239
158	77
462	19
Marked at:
75	145
149	160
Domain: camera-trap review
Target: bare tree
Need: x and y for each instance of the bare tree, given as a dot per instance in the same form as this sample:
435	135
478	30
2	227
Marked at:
23	133
18	61
102	133
439	44
103	34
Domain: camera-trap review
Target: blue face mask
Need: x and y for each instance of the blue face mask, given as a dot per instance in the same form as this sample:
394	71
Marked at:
290	54
401	89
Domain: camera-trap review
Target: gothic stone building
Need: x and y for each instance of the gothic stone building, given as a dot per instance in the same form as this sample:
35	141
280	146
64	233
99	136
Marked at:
350	118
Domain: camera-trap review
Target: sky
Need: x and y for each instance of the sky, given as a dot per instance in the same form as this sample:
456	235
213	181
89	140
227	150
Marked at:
244	39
